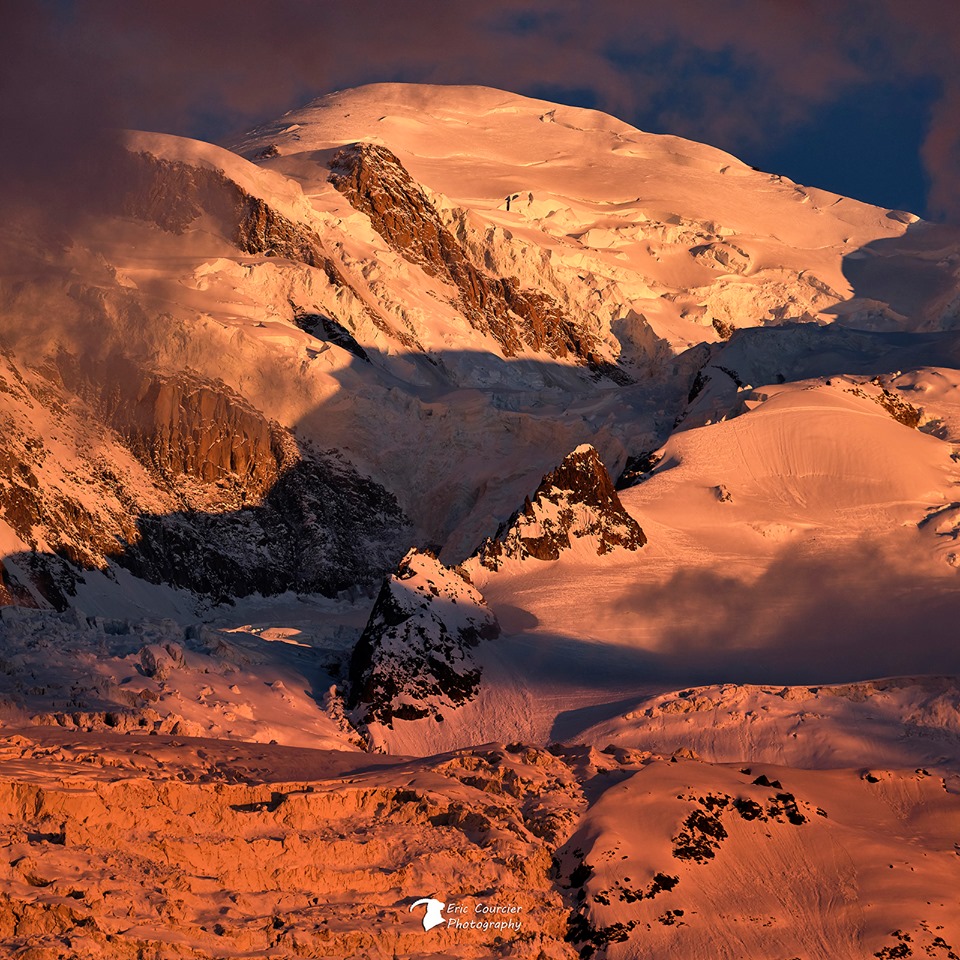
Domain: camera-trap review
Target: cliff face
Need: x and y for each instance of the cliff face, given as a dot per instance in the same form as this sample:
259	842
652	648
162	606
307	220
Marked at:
575	501
64	482
181	426
181	481
174	195
376	183
414	657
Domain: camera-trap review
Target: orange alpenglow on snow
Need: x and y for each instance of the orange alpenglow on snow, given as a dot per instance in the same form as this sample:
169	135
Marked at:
581	566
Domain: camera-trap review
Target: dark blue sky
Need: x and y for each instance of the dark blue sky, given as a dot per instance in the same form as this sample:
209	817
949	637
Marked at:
860	97
864	144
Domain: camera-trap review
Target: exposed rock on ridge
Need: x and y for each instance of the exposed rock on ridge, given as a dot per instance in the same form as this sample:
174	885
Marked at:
173	194
414	657
576	500
376	183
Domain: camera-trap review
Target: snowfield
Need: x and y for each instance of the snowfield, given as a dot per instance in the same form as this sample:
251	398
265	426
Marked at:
442	493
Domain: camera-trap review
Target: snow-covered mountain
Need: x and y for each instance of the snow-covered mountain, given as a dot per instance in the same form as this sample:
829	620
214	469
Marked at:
424	418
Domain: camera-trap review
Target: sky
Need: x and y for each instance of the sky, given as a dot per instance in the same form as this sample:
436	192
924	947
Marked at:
861	97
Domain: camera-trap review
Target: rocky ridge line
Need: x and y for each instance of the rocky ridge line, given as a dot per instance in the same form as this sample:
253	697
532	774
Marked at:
576	500
414	658
376	183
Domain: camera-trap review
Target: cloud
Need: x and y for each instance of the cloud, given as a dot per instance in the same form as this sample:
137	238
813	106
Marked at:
816	613
738	74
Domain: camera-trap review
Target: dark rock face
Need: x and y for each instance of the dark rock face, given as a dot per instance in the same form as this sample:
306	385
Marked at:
181	426
39	580
329	330
696	388
637	468
898	408
377	184
413	659
224	502
300	520
576	500
13	592
700	838
174	195
50	509
321	528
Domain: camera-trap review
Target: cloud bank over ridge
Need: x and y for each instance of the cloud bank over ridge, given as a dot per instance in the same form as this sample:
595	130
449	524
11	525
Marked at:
745	76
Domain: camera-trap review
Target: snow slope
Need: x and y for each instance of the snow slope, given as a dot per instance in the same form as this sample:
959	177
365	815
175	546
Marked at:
423	317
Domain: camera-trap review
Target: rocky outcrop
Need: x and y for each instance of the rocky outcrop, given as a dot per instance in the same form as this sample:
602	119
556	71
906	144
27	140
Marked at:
38	580
263	515
66	513
637	469
173	195
13	592
329	330
895	406
322	528
376	183
414	657
575	501
182	426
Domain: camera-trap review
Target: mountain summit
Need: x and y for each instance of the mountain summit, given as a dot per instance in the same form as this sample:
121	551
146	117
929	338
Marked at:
577	501
255	418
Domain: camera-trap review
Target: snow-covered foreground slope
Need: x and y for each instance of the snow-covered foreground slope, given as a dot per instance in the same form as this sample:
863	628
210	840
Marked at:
130	846
308	448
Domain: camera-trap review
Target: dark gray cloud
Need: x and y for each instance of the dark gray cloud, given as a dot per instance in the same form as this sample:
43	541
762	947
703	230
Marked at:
739	74
816	613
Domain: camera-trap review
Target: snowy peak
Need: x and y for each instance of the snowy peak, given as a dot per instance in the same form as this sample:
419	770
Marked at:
414	659
433	120
575	501
608	219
